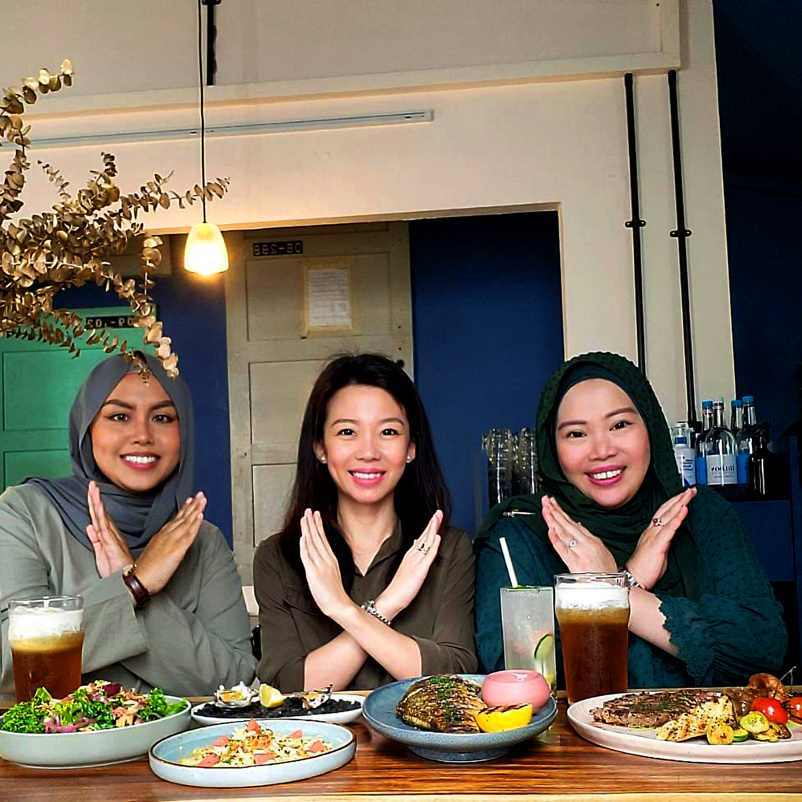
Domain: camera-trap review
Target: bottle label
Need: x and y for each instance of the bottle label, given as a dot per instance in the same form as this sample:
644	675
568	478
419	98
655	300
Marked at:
686	464
721	469
701	471
741	460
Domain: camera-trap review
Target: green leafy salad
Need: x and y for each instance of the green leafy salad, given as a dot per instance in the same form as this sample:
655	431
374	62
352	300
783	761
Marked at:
99	705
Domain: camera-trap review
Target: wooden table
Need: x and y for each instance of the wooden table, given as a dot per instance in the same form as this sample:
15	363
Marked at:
558	765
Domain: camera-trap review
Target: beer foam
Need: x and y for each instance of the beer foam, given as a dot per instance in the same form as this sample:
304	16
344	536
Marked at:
590	595
42	622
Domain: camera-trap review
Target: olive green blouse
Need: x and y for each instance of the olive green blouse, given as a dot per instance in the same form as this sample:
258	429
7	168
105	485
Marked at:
439	619
193	635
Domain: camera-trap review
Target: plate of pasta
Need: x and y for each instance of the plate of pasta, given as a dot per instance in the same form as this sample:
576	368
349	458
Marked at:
257	752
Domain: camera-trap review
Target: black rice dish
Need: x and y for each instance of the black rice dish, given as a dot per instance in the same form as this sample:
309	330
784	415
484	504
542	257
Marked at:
292	708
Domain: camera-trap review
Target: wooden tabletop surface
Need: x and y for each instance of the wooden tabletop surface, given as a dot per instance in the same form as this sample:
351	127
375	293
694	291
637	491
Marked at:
558	765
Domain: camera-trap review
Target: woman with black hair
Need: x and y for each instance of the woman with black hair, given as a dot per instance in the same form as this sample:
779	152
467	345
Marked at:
366	583
702	611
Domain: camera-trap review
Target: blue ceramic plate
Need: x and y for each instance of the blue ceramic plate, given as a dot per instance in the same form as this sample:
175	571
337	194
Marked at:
165	755
379	712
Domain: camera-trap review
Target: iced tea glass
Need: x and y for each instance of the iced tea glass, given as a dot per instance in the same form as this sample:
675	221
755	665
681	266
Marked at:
46	637
593	613
527	622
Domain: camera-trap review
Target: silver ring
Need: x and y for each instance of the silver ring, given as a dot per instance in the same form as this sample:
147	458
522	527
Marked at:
422	550
657	522
572	544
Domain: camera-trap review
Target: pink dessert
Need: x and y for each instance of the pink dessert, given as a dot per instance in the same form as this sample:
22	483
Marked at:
515	687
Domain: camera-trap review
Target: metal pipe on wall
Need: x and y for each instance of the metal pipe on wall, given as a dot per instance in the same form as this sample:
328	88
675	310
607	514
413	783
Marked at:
636	224
681	234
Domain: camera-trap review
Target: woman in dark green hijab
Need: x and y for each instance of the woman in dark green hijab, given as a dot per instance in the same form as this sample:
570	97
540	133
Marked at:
702	610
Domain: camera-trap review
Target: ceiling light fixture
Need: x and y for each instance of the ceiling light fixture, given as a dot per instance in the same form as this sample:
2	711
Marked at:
205	252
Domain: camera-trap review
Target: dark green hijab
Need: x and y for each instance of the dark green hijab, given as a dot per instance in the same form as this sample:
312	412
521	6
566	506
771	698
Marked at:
621	528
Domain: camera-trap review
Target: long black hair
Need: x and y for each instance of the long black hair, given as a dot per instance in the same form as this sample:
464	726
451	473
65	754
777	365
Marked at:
420	492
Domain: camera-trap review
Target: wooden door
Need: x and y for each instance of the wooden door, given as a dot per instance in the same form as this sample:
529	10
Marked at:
294	298
38	383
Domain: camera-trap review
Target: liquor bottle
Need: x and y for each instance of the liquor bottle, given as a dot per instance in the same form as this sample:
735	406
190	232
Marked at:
746	439
719	450
736	416
707	422
762	467
684	453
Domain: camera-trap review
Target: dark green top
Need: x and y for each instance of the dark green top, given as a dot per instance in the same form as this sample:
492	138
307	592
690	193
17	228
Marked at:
719	607
733	630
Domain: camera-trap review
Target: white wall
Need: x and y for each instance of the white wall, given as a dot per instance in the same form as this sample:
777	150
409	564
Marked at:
511	142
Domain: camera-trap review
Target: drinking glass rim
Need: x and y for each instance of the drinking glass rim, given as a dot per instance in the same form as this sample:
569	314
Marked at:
37	600
586	575
527	587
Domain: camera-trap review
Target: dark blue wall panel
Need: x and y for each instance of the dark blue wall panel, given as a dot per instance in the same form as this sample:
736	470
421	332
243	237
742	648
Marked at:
487	318
765	258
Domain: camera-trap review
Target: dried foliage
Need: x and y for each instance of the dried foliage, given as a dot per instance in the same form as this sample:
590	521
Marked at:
64	248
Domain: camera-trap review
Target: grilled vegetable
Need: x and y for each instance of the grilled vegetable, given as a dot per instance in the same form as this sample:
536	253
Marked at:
754	723
720	734
443	702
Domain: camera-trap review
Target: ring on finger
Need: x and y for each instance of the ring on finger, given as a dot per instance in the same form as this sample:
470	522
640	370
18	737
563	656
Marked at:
657	522
572	544
423	549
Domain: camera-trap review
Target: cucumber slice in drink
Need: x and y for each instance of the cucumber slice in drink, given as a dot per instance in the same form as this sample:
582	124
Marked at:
543	650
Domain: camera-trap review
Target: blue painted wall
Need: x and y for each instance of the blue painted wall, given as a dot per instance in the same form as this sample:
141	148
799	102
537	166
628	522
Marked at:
487	319
193	310
765	258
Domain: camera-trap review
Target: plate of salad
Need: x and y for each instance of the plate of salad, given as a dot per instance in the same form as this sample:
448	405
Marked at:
97	724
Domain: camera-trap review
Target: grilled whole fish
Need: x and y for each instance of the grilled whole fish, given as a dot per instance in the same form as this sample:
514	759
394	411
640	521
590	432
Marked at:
443	702
695	722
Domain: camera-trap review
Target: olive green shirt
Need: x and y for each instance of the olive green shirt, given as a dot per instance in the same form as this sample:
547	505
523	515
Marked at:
439	619
193	635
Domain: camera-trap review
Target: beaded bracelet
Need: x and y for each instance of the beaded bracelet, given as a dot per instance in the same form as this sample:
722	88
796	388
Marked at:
370	608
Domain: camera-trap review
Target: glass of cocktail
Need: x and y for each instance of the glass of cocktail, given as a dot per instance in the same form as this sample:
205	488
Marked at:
527	621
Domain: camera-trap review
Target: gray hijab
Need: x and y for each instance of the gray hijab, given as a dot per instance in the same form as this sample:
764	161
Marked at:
137	515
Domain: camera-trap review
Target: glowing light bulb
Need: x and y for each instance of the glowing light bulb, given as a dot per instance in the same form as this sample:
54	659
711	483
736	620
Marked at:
205	252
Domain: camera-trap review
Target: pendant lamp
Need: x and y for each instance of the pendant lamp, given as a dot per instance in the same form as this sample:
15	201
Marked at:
205	252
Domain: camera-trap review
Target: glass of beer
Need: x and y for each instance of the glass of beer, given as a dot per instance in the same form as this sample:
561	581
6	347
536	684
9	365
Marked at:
593	613
46	637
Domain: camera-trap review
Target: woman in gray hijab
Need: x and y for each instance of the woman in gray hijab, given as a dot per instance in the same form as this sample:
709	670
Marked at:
163	601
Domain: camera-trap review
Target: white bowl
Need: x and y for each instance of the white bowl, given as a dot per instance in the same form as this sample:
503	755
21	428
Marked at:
165	755
61	750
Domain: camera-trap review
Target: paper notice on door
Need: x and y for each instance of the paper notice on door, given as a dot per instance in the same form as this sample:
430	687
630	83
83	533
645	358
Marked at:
328	298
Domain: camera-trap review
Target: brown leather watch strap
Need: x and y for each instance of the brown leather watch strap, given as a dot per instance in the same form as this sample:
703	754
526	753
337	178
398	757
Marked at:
138	590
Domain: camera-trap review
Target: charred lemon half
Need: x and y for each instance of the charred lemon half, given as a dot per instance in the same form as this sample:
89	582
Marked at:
505	717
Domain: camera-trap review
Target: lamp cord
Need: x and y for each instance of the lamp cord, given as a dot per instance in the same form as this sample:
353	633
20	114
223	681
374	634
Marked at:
202	118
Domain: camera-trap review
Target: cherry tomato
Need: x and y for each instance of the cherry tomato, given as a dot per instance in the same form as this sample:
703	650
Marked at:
794	707
772	709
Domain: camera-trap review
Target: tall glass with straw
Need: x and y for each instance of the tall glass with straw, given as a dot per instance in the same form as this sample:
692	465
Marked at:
527	622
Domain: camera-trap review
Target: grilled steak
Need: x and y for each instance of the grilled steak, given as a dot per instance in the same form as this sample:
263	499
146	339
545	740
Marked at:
443	702
650	709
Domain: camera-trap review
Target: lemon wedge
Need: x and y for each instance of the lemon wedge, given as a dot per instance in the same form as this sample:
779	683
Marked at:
270	696
506	717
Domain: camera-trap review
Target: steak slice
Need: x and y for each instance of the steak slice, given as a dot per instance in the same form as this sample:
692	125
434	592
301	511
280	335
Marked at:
650	708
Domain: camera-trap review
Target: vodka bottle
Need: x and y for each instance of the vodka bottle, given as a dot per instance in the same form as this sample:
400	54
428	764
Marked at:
736	416
719	450
707	422
684	452
746	441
